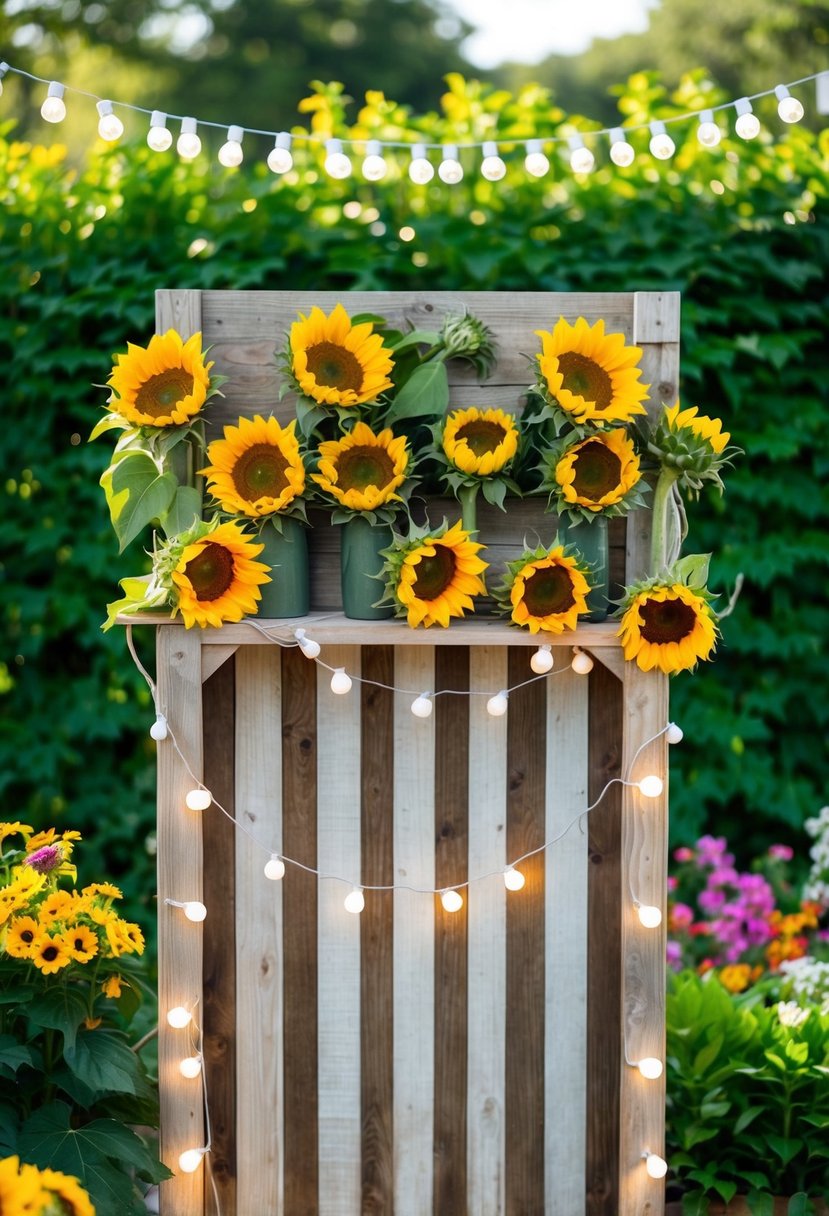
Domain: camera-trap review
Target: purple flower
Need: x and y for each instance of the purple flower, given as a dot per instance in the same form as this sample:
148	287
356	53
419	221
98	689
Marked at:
46	859
674	956
682	916
781	852
721	875
711	901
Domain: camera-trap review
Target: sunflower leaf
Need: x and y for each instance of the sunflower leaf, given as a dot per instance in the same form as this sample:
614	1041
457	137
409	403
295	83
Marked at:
183	511
136	494
109	422
425	392
693	570
417	337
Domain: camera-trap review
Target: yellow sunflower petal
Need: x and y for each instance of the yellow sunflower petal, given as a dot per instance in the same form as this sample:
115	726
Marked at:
336	363
669	628
217	578
257	468
363	470
591	375
164	384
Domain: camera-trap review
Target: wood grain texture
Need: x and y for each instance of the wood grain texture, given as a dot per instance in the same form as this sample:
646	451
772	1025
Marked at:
451	848
299	841
219	976
179	310
179	941
259	1109
526	738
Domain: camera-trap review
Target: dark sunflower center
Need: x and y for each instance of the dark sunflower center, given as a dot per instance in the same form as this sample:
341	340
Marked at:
597	470
27	936
549	591
481	435
666	621
79	943
335	367
585	378
434	574
260	472
359	467
161	393
49	954
210	572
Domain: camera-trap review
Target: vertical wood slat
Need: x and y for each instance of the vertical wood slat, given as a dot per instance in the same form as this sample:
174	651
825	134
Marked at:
565	1049
338	946
486	996
259	931
180	310
414	928
219	1012
299	841
451	829
179	941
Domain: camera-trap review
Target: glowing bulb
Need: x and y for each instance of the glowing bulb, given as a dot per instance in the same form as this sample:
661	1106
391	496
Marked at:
513	879
4	67
450	169
747	126
420	170
198	800
708	133
355	901
535	162
582	663
341	682
788	107
656	1166
651	786
280	159
179	1017
649	915
621	152
422	706
374	166
230	153
308	646
158	730
191	1159
158	137
661	145
497	706
492	167
651	1069
275	868
582	159
110	126
188	144
337	163
190	1066
452	901
195	910
542	660
674	733
54	107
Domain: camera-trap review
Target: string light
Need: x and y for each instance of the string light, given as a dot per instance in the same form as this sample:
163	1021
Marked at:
535	162
492	166
708	133
656	1166
747	125
230	153
355	901
190	1067
513	879
661	144
582	159
374	165
4	67
651	786
178	1017
275	868
422	706
542	661
497	706
158	730
54	107
159	138
307	645
621	152
337	164
674	733
110	126
421	171
193	908
788	107
198	800
280	159
452	901
649	915
582	663
341	682
190	1160
650	1068
188	144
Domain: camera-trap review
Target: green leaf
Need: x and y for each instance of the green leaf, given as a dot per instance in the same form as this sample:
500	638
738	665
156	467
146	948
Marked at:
786	1148
136	494
184	510
706	1056
12	1053
799	1205
417	337
748	1116
103	1061
760	1204
109	422
694	1204
61	1008
494	491
425	393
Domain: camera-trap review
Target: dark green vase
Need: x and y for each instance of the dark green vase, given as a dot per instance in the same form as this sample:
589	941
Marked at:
286	552
590	538
360	546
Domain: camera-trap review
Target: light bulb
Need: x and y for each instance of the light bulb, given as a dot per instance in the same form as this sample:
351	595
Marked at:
355	901
747	126
621	152
230	153
337	163
450	169
341	682
582	663
179	1017
191	1159
651	786
158	137
275	868
535	162
308	646
374	166
422	706
188	144
452	901
190	1066
542	660
656	1166
54	107
788	107
158	730
110	126
650	1068
708	133
280	159
649	915
198	800
513	879
492	167
661	145
674	733
582	159
497	706
4	67
420	170
195	910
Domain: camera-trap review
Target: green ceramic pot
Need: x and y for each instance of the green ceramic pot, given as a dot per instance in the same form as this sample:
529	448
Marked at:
590	538
360	560
286	552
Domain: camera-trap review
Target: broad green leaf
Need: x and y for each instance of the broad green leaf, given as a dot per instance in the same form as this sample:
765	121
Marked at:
61	1008
109	422
799	1205
748	1116
494	491
694	1204
103	1061
417	337
785	1148
13	1053
425	394
760	1204
137	495
706	1056
183	511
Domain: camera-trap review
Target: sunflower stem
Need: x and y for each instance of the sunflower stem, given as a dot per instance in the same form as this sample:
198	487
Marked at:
467	497
661	504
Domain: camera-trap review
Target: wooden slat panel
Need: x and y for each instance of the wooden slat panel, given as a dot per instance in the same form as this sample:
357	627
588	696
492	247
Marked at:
414	927
486	1001
219	840
179	942
565	1054
525	942
451	830
299	841
259	931
180	310
338	947
376	928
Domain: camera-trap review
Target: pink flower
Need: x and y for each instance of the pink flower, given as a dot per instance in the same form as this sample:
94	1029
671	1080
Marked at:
711	901
673	883
721	875
682	916
781	852
674	956
46	859
683	854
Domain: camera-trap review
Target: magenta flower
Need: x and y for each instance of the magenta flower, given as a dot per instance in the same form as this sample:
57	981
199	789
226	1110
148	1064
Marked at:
711	901
781	852
674	956
46	859
683	854
682	916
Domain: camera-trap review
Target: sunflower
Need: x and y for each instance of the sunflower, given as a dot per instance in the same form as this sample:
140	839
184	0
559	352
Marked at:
709	429
598	472
217	578
480	442
50	954
337	363
107	889
257	468
14	829
21	1193
545	589
592	375
124	937
433	577
363	471
81	942
20	938
690	447
56	906
74	1200
667	626
163	384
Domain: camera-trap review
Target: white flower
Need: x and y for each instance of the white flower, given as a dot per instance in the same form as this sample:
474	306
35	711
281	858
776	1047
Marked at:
790	1013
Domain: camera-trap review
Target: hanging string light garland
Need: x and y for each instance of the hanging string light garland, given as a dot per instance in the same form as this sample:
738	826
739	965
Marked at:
421	170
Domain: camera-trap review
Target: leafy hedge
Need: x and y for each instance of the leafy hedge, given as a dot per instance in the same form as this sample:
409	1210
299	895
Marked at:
740	231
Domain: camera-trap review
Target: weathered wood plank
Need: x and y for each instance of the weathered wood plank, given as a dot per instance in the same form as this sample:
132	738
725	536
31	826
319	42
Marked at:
212	658
259	1009
180	310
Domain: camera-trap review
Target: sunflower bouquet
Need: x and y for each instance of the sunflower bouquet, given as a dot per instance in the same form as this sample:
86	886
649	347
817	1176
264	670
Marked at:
69	987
